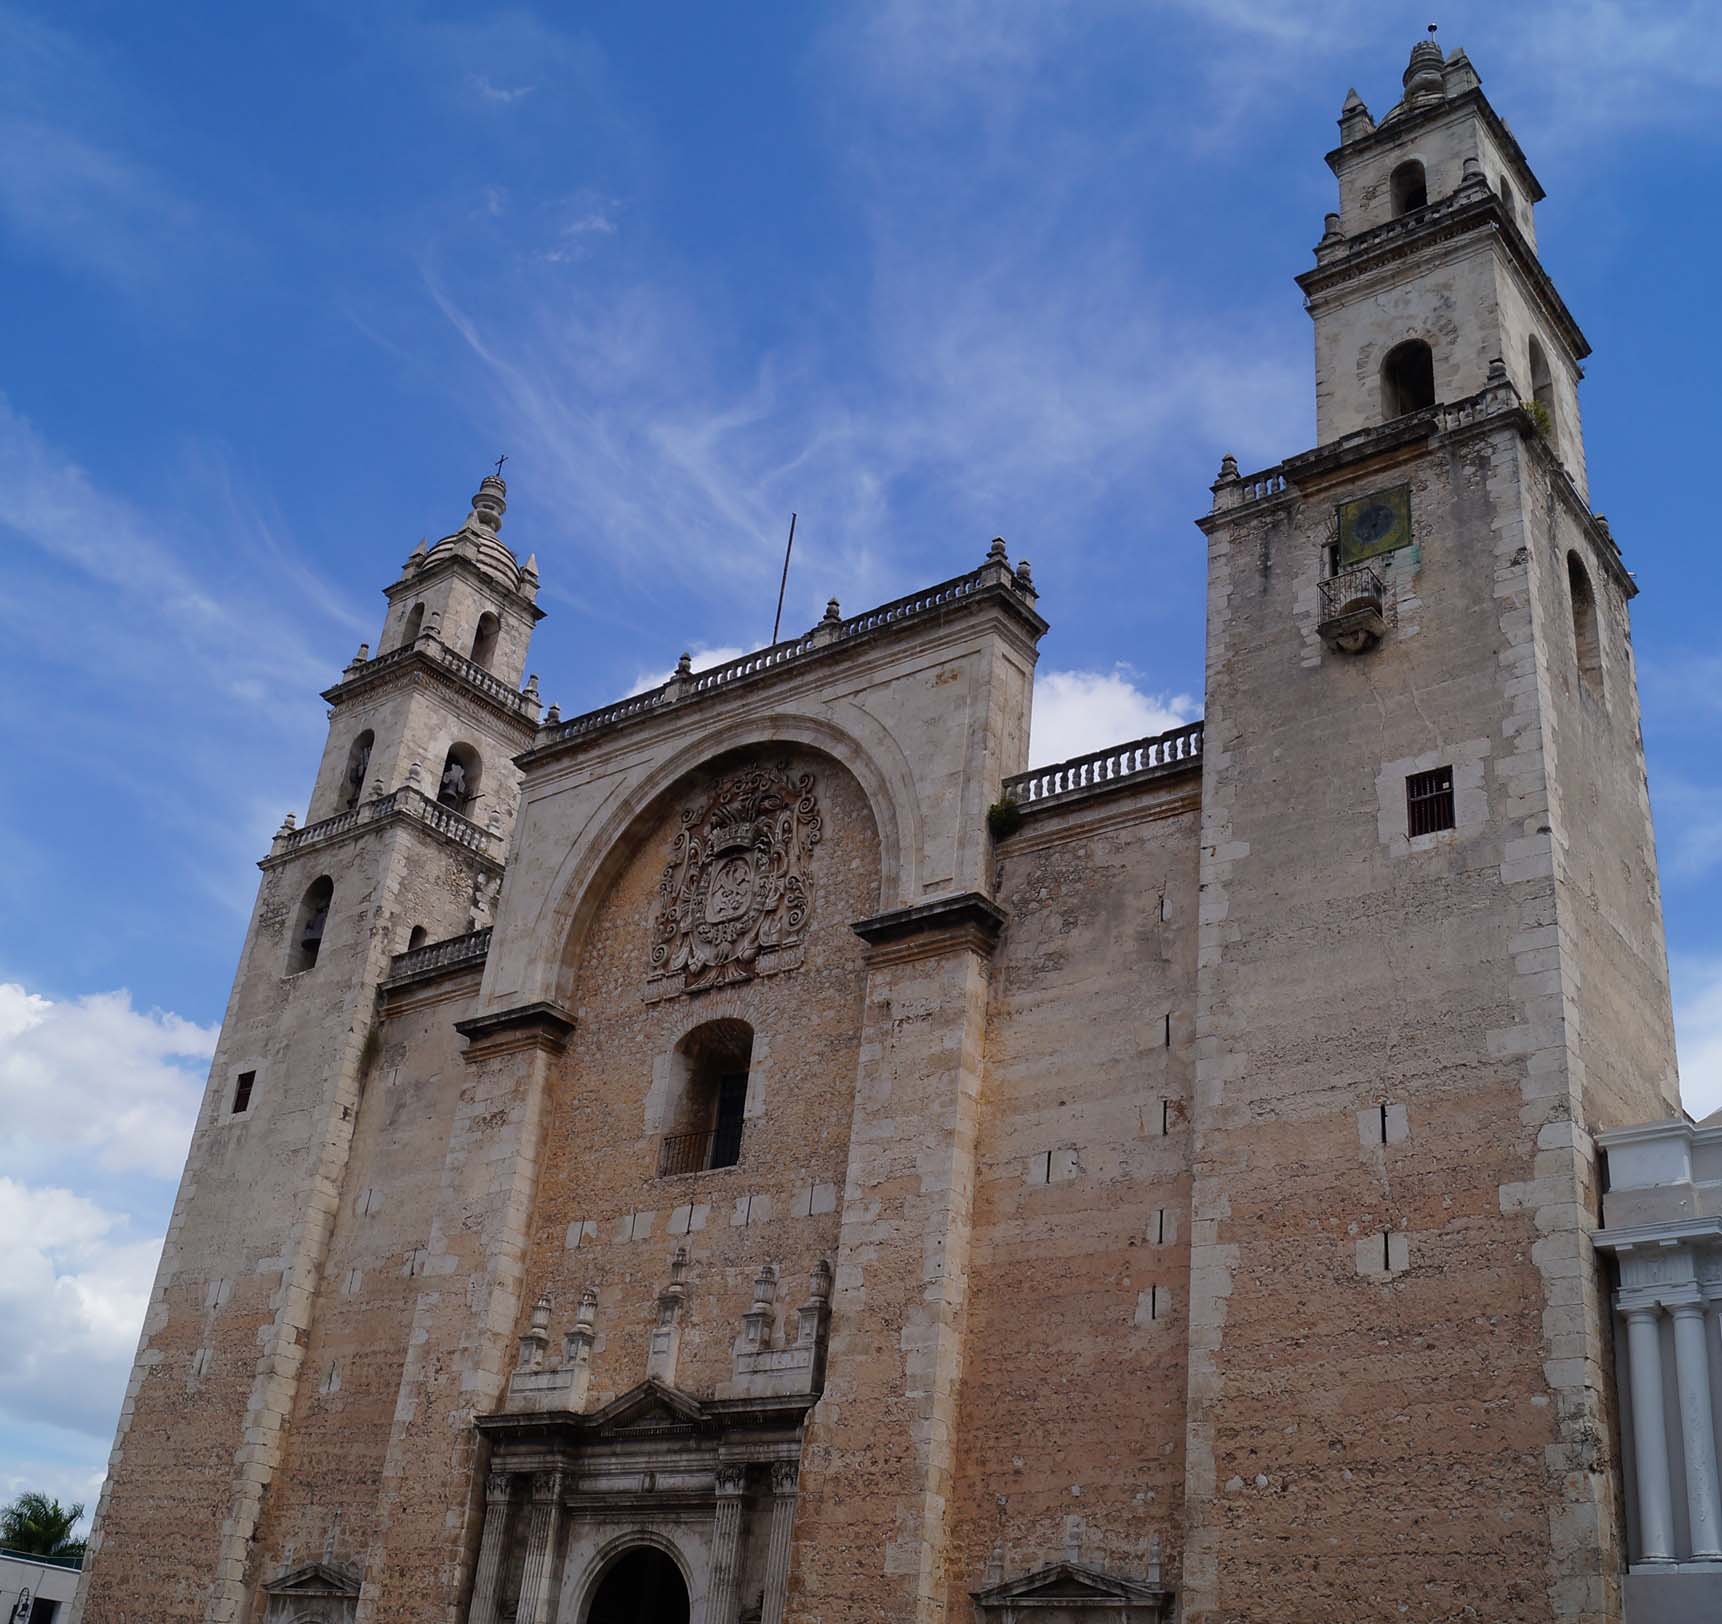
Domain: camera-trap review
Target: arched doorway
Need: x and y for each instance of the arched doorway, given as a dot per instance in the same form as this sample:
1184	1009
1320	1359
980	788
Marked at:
642	1587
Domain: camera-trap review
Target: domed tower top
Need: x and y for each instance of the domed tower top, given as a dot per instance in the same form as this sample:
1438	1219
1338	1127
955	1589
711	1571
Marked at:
477	538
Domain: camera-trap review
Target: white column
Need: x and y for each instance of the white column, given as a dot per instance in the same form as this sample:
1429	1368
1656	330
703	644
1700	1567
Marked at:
487	1585
1650	1443
785	1478
1697	1428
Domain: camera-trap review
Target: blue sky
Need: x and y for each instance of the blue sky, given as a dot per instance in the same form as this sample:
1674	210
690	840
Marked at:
281	282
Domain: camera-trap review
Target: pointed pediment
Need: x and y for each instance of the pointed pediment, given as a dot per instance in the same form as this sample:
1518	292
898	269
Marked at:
652	1404
1068	1588
313	1579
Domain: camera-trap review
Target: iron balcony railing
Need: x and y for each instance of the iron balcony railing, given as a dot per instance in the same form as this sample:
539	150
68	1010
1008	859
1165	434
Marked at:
1351	592
697	1152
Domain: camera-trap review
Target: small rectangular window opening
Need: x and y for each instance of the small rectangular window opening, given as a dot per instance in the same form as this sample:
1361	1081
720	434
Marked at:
1165	1116
1387	1250
1168	1029
1384	1124
1153	1302
242	1091
1160	1238
1429	802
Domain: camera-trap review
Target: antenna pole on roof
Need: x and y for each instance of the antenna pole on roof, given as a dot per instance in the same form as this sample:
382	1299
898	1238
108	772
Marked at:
777	620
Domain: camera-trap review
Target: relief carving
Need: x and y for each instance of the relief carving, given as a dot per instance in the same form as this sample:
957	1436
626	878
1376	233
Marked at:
736	892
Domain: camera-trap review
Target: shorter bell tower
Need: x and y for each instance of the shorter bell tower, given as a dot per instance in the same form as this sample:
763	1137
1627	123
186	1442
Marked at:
403	845
1428	270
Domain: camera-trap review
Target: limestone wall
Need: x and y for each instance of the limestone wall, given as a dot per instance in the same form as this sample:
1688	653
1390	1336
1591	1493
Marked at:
1070	1430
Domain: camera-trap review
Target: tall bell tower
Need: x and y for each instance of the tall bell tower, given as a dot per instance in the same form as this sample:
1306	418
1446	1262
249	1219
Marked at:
403	845
1430	961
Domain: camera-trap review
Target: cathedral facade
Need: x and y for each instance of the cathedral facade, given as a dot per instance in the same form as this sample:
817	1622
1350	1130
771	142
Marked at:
760	1151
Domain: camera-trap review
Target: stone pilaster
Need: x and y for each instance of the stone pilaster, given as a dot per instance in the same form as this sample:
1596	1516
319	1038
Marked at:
726	1531
487	1582
538	1575
784	1478
889	1413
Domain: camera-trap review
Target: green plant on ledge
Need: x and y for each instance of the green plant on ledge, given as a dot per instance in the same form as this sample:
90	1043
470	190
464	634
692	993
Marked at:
1004	818
1541	418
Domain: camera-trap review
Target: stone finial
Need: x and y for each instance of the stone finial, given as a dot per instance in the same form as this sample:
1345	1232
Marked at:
666	1340
489	503
1025	578
1422	78
415	774
685	665
361	657
531	688
1473	175
537	1336
417	556
764	1286
288	824
1497	369
1330	227
377	786
1354	119
833	613
494	822
553	716
433	625
756	1322
996	552
1153	1559
1228	467
530	567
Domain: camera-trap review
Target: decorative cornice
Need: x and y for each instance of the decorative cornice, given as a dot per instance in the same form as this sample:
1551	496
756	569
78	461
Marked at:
1472	207
541	1025
406	804
967	920
1393	129
431	662
994	585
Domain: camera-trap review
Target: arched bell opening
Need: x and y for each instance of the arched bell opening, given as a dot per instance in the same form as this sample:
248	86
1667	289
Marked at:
1407	379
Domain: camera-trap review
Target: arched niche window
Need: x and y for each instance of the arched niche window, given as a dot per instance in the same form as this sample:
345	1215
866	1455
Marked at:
642	1583
484	639
457	789
1407	379
1587	637
312	919
1410	188
415	622
358	764
706	1120
1508	199
1542	385
418	937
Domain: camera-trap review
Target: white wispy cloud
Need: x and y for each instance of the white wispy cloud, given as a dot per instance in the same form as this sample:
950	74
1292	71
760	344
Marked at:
504	94
92	1082
1698	1023
1076	712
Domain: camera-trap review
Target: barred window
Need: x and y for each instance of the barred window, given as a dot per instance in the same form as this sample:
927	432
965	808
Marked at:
1429	802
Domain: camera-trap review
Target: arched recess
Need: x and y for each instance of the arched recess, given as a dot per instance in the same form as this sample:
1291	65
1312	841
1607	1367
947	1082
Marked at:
1587	633
484	639
1542	382
1407	379
552	946
461	779
415	624
358	765
305	943
1410	187
584	1583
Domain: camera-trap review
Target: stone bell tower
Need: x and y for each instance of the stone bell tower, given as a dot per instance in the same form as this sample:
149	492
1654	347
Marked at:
403	844
1430	961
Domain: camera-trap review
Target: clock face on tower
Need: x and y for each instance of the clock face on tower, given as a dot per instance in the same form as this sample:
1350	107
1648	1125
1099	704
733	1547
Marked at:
1374	524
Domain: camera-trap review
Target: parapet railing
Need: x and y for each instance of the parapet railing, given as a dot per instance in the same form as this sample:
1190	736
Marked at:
444	955
523	704
680	1153
833	629
1141	758
403	802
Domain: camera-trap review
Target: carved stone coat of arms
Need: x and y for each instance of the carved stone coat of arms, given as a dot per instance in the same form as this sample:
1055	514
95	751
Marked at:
736	892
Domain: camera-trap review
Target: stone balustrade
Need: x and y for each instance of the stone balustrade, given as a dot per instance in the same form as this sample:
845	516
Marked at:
453	952
833	629
406	802
429	646
1174	751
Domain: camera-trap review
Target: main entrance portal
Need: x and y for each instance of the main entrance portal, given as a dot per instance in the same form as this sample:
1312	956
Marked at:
644	1587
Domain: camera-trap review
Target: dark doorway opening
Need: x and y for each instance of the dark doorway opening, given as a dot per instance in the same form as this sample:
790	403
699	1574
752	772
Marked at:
643	1587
